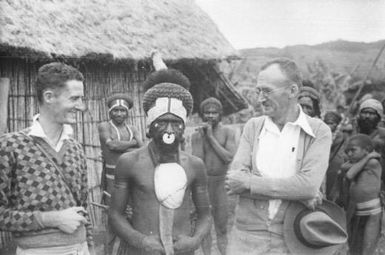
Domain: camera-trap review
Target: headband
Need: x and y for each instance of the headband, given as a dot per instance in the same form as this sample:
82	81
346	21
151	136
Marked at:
118	102
165	105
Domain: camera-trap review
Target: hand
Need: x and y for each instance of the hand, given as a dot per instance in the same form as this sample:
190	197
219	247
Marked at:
209	130
237	182
203	129
67	220
129	212
314	202
152	244
183	243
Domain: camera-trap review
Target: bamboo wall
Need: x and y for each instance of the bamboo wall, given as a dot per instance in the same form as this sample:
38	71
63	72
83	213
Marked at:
100	82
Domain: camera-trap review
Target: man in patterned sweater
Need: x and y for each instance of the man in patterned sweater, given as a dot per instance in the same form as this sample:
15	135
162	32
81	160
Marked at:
43	178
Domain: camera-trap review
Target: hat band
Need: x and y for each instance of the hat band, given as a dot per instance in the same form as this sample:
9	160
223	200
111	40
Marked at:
117	103
298	232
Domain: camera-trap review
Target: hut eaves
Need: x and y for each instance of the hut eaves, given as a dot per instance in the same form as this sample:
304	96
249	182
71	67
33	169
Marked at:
125	29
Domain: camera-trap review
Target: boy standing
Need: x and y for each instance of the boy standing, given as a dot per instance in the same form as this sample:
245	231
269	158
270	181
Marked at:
363	170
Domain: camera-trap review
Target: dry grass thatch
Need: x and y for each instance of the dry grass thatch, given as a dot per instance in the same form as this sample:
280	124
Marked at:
126	29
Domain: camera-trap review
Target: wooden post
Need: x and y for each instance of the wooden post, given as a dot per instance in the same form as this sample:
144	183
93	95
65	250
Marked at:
4	90
6	244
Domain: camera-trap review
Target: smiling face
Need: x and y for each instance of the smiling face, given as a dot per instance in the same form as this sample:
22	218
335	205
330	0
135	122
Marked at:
118	115
65	102
273	91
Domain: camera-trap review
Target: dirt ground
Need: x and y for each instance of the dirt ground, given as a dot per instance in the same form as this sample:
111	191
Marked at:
99	236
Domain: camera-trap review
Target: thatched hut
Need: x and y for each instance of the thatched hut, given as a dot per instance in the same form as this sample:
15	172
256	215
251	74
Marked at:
110	42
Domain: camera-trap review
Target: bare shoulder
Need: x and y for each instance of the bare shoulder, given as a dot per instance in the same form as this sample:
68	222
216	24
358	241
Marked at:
373	163
194	161
103	126
228	130
129	162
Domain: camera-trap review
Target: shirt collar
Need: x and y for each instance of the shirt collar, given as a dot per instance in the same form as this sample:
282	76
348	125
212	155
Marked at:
37	130
301	121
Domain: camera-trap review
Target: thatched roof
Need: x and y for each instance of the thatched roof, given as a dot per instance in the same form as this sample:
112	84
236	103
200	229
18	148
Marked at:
125	29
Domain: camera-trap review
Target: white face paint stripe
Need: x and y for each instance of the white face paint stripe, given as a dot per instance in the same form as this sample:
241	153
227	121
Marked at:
119	102
165	105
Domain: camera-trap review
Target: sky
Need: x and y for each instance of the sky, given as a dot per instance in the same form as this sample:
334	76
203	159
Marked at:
279	23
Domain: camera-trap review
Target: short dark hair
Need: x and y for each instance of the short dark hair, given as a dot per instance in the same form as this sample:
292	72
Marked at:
210	101
288	67
364	141
55	75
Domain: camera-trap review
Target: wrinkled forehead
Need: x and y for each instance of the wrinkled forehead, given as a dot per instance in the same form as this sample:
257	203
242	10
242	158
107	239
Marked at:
271	76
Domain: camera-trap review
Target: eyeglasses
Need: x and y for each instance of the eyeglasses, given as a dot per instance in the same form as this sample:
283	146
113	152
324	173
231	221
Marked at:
267	92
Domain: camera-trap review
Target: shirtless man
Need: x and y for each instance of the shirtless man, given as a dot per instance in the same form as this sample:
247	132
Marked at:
160	180
215	145
116	137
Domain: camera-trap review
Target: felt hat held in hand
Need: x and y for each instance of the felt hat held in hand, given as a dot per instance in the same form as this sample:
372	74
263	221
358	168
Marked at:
321	231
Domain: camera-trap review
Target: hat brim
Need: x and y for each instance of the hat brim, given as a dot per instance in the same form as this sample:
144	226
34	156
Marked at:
294	244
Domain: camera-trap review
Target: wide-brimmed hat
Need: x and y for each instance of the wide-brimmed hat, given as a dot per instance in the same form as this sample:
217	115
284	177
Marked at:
315	232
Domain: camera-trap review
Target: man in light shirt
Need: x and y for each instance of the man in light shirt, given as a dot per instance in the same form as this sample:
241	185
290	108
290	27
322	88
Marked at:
282	157
43	175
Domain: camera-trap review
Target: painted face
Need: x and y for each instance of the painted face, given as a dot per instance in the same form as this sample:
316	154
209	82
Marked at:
307	105
118	114
167	131
67	102
211	114
368	120
272	91
355	152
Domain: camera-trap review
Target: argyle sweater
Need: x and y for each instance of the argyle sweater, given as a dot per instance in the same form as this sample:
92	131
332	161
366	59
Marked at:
29	181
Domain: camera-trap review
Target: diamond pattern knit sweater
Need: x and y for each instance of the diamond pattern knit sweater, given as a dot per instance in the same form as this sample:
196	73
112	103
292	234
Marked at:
29	181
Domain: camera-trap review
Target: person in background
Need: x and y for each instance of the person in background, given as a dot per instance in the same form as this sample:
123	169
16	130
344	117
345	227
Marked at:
363	172
215	145
309	99
116	137
369	115
43	173
281	159
336	159
160	179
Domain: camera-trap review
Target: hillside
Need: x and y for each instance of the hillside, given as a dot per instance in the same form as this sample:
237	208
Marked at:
339	57
334	67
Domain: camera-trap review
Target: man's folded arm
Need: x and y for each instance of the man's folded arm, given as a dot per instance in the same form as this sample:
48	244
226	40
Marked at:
306	183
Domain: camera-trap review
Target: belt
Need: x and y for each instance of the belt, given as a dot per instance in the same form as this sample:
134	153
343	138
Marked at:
370	207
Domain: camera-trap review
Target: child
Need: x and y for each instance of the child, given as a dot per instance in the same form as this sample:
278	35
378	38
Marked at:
363	171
